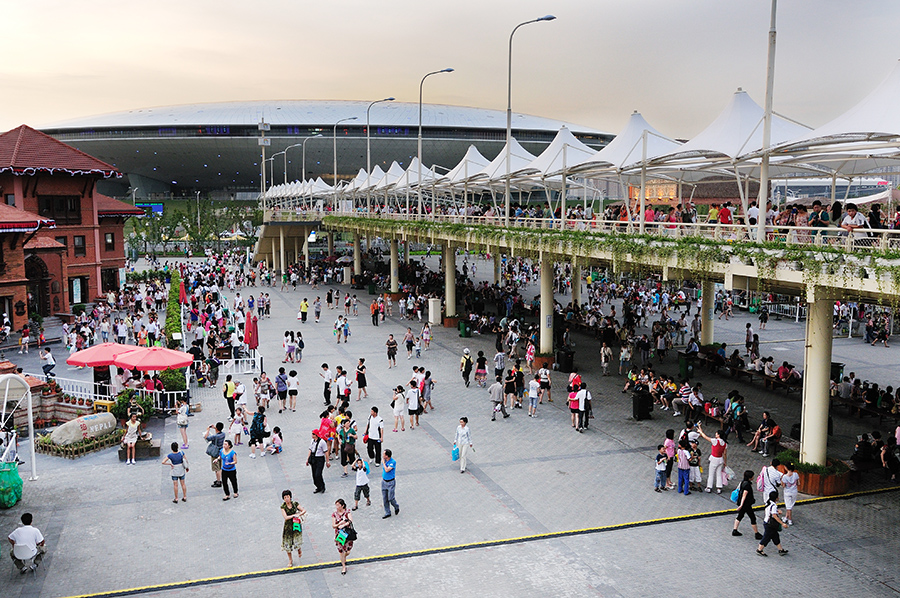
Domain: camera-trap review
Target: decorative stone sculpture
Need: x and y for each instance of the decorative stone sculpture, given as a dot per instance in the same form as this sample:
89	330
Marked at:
83	428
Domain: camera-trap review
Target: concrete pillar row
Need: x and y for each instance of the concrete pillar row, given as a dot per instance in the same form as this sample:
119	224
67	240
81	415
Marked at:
357	255
498	264
546	323
816	376
707	315
331	242
395	267
450	279
306	249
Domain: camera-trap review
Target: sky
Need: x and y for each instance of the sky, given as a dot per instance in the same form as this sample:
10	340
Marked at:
677	62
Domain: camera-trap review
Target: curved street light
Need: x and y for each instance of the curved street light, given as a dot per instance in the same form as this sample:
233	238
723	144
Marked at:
369	154
509	104
419	179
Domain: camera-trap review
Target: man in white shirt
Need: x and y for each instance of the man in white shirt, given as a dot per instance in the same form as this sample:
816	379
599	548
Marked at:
30	539
374	429
412	403
771	478
854	221
753	213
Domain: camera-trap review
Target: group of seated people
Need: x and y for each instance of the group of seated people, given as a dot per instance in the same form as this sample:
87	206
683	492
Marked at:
870	395
871	450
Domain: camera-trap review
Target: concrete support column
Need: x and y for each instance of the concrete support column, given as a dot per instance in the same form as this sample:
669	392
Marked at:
450	278
296	250
357	255
331	243
816	375
707	317
498	264
281	249
395	268
546	322
306	250
576	284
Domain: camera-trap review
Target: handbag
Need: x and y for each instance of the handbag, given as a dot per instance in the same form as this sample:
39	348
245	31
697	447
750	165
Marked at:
182	419
735	495
342	536
212	450
454	453
351	533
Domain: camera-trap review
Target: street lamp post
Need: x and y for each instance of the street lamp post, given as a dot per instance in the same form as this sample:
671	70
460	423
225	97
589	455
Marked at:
334	139
134	190
509	106
419	180
275	155
369	155
271	169
303	145
198	215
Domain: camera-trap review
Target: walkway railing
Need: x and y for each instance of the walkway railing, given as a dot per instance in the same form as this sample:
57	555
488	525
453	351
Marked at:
83	389
864	239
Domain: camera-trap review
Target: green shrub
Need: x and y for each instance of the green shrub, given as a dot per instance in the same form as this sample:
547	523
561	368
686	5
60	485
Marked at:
834	467
120	409
173	379
173	313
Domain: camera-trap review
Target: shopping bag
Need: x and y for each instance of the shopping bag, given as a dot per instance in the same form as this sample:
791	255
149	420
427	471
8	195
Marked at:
454	454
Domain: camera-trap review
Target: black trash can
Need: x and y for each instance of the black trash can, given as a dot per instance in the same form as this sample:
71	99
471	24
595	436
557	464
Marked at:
796	429
641	405
837	371
565	360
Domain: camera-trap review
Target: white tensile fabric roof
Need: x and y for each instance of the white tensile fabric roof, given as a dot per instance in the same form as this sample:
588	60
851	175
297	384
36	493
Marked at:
370	181
875	117
390	177
496	171
470	165
563	152
736	132
410	177
626	149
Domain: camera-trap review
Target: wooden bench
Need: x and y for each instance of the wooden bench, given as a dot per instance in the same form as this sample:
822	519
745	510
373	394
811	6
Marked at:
859	409
143	449
857	469
772	383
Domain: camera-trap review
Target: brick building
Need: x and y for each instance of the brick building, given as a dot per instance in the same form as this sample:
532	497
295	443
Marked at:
76	250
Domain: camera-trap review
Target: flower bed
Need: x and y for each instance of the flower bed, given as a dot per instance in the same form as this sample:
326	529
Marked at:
78	449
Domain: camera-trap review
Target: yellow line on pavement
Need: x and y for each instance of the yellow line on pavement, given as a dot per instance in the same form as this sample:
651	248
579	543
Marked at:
454	548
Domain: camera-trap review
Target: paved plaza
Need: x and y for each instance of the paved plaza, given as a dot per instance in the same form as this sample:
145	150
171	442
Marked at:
111	527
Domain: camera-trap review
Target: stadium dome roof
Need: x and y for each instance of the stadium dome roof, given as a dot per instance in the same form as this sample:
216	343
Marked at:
314	112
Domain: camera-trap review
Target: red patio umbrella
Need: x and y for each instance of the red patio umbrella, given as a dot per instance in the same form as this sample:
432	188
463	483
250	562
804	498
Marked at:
100	355
154	358
182	295
251	332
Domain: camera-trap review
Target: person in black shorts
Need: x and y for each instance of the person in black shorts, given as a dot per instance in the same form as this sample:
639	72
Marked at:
361	382
391	345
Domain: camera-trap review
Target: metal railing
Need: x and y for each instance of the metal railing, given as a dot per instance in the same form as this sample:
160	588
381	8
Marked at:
864	239
83	389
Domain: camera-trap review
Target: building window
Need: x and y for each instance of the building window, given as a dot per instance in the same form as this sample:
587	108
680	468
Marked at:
110	241
78	244
109	280
10	199
64	241
64	209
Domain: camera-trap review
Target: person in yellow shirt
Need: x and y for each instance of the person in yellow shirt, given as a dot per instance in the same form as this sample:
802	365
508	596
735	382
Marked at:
713	214
304	309
228	391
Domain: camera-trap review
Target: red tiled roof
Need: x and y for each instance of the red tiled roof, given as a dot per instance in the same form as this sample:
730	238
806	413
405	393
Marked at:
43	243
108	206
24	151
15	220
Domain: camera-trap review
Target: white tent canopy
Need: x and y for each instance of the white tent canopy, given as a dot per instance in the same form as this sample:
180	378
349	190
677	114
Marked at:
496	171
736	132
563	152
626	149
876	117
470	165
390	178
369	182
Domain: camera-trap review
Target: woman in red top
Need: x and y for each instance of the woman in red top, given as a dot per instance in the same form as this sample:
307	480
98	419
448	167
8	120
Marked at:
718	460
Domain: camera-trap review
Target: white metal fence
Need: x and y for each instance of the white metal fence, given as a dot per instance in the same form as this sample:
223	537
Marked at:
84	389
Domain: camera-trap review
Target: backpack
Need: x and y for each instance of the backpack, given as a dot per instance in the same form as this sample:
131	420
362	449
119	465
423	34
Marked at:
776	433
761	480
256	427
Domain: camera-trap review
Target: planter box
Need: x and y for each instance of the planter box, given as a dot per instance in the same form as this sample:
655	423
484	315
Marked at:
824	485
451	322
539	362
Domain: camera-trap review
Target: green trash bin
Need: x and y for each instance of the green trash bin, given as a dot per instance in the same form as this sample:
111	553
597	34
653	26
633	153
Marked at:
371	289
10	485
465	329
685	366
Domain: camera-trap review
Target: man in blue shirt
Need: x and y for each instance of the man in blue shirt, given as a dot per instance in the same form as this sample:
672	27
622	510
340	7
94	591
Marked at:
388	484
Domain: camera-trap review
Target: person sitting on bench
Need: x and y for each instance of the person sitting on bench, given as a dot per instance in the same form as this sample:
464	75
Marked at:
762	431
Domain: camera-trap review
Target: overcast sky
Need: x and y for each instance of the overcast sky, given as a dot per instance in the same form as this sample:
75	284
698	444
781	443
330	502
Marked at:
676	61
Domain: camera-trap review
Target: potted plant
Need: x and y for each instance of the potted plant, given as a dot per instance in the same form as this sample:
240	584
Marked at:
81	401
830	479
541	358
451	321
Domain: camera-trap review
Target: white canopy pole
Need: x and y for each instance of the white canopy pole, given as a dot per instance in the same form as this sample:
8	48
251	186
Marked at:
767	133
643	179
